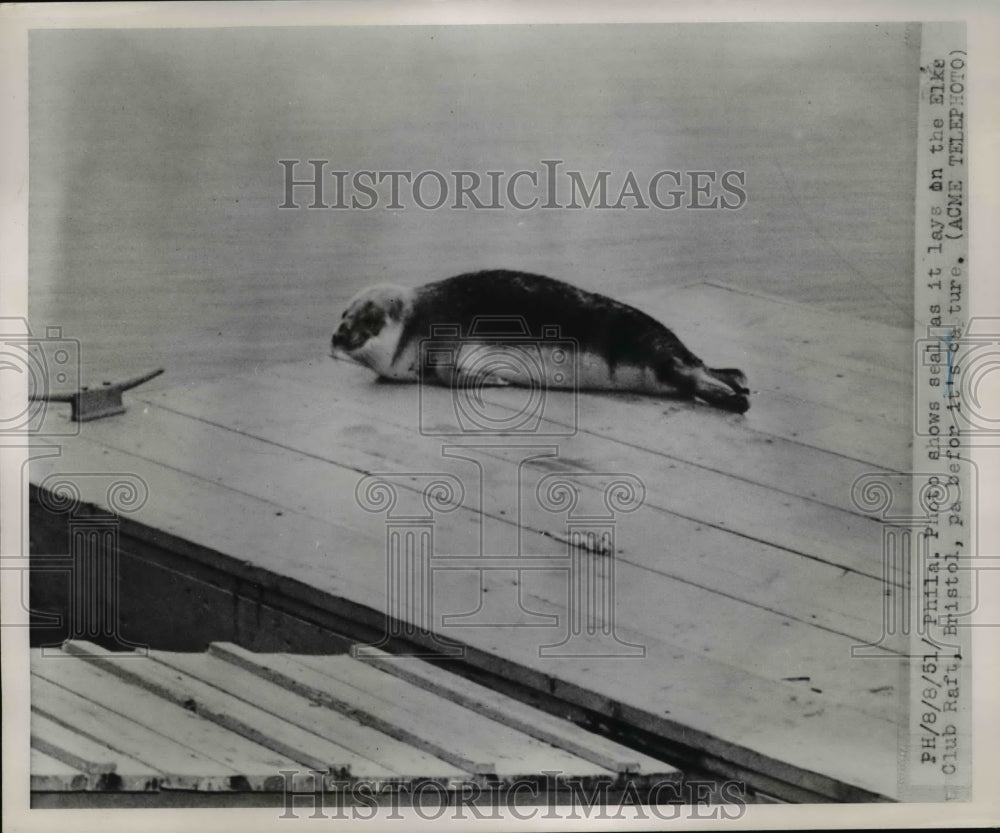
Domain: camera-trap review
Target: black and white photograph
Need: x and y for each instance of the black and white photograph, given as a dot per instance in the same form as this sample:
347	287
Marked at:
523	420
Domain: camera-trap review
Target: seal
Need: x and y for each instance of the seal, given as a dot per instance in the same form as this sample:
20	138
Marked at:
528	323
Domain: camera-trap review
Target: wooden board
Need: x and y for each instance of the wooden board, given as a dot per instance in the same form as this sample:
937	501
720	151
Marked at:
311	749
106	768
397	732
482	700
748	575
755	317
825	380
196	506
342	727
473	742
349	439
52	775
745	601
178	766
257	767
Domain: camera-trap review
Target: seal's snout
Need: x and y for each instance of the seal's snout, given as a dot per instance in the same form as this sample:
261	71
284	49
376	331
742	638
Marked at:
340	344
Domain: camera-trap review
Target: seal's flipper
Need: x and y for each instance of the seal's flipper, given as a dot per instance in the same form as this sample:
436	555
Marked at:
738	403
724	389
736	379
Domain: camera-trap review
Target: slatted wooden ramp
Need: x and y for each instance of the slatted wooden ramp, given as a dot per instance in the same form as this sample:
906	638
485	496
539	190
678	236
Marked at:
233	720
741	584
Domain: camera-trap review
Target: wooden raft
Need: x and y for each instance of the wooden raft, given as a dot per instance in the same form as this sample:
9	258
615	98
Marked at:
746	576
232	720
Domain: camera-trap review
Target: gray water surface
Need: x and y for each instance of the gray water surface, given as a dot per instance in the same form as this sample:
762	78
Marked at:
156	237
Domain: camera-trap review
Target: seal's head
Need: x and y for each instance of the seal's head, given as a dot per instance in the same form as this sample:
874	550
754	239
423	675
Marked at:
371	326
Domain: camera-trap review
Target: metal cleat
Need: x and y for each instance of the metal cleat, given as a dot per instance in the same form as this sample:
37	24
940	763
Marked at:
95	403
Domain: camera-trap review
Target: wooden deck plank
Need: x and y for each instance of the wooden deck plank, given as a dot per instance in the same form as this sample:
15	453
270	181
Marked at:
51	775
306	713
800	397
514	713
84	722
785	728
774	527
850	435
721	443
181	766
237	715
726	632
320	577
347	435
854	432
688	432
517	756
469	726
705	573
71	748
713	309
107	767
774	417
258	765
353	441
285	671
451	731
784	560
191	508
828	380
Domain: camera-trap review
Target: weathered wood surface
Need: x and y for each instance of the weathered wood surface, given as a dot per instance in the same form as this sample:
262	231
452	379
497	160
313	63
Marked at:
256	720
507	710
100	763
153	742
748	574
232	720
52	775
456	733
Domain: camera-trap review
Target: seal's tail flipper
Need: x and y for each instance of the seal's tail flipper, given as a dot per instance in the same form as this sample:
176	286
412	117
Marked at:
724	388
736	379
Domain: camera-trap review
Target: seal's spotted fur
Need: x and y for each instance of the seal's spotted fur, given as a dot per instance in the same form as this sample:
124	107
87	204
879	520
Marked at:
621	348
